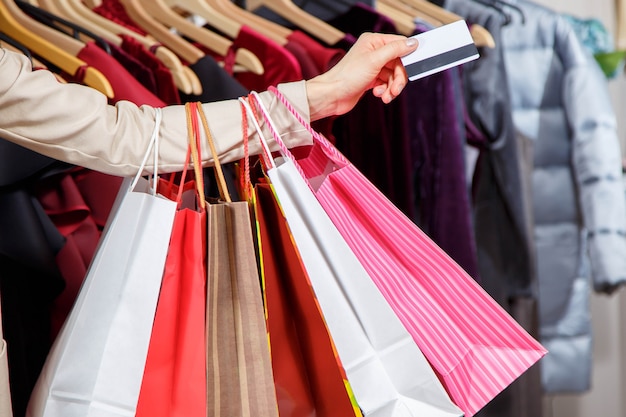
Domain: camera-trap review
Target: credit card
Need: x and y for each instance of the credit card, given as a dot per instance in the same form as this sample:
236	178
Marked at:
439	49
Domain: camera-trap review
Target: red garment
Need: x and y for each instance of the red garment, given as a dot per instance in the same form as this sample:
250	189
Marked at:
125	86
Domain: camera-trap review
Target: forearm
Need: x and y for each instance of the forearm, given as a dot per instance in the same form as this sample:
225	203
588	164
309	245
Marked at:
320	97
75	124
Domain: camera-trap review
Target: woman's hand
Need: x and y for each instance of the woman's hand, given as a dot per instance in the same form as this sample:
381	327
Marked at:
373	62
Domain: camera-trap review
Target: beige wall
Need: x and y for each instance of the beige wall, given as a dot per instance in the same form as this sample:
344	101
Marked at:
607	397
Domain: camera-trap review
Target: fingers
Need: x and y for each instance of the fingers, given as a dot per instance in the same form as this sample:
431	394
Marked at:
385	52
390	82
396	47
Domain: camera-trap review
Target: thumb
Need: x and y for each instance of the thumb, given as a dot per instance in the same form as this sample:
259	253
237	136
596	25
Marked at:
394	49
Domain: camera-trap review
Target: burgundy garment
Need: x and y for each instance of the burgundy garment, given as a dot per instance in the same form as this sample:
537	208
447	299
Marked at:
420	164
166	88
125	86
136	68
279	64
78	202
115	12
323	57
307	64
316	59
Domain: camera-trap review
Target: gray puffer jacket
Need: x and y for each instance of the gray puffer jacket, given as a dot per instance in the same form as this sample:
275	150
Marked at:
560	101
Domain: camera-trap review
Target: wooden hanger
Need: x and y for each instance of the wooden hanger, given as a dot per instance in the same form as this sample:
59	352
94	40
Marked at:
60	24
265	27
47	50
213	17
65	42
184	49
7	42
287	9
185	82
35	63
109	30
402	19
481	36
412	13
155	14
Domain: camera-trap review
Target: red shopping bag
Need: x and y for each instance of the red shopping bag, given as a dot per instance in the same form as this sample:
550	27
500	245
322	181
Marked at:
308	374
476	348
174	382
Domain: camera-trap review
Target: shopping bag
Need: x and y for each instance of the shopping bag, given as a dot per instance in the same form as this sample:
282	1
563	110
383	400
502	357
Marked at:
5	392
239	373
96	363
309	377
389	375
474	345
174	381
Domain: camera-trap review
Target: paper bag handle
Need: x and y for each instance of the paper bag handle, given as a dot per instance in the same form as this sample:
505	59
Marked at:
324	143
272	128
217	166
317	137
153	143
266	154
193	135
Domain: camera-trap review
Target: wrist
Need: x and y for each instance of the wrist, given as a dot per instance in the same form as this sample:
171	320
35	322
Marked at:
321	98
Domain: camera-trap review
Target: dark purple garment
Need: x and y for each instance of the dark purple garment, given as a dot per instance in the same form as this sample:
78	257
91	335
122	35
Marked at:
374	136
166	88
135	67
413	148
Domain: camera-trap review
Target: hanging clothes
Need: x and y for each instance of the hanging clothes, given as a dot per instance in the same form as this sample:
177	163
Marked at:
414	152
501	200
134	67
125	86
323	9
279	64
561	102
166	88
55	194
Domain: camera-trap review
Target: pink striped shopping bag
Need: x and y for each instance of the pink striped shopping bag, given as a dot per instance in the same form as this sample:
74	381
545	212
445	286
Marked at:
476	348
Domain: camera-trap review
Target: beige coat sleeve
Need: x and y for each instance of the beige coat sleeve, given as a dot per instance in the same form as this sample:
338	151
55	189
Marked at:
75	124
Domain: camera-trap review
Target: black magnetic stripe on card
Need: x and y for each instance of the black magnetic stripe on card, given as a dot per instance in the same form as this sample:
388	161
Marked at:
440	60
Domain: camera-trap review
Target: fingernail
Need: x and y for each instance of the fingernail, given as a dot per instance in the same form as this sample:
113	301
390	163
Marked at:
379	90
411	42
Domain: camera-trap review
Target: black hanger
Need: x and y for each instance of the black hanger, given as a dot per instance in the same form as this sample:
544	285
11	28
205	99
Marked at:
17	45
60	24
500	10
514	7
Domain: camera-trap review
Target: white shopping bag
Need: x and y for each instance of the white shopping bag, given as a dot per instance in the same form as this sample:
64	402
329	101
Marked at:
5	393
96	364
388	373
